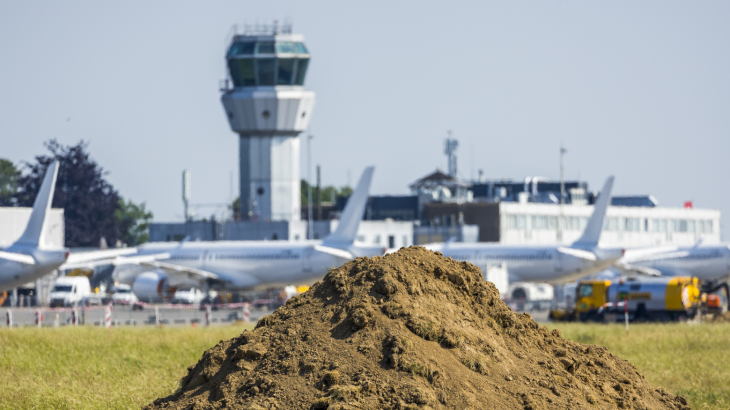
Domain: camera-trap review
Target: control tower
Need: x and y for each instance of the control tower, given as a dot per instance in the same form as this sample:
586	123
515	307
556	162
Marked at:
268	107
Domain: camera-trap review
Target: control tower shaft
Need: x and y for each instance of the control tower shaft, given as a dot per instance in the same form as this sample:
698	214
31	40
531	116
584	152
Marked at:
268	108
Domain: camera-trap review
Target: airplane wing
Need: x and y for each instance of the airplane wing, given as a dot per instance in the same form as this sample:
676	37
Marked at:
93	256
17	257
136	260
181	274
578	253
632	270
334	252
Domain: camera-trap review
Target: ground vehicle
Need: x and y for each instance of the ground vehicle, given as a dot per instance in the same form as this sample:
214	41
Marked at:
123	295
652	299
188	296
531	296
69	291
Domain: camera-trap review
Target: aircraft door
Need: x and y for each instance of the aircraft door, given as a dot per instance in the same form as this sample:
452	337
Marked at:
307	259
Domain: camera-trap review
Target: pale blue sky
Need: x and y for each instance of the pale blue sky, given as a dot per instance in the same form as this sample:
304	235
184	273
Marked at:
636	89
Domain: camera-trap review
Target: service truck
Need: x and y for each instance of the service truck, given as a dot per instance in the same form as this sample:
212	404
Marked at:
650	299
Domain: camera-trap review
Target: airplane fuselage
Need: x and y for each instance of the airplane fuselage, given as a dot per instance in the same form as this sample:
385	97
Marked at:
14	274
248	264
703	262
524	263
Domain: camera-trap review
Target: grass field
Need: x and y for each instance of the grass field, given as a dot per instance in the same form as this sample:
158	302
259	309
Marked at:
691	360
94	368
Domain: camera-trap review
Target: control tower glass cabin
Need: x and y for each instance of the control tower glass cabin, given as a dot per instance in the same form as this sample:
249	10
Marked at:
268	108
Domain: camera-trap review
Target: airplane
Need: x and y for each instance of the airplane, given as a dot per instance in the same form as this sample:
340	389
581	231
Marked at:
710	263
29	258
158	269
539	263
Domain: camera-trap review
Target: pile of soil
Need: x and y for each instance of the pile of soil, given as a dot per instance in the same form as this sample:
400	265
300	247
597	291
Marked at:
411	330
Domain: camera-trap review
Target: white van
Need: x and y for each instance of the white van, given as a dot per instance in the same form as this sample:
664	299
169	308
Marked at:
69	291
123	295
188	296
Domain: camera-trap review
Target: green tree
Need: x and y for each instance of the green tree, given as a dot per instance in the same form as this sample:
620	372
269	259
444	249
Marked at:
9	175
89	202
134	222
344	191
235	208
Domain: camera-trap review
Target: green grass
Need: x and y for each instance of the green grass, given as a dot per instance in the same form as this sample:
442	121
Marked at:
95	368
690	360
92	368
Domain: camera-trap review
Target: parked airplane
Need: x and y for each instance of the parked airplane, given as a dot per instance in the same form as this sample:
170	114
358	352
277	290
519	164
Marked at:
538	263
159	268
706	262
29	258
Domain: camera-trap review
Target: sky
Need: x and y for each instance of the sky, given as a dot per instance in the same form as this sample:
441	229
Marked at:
639	90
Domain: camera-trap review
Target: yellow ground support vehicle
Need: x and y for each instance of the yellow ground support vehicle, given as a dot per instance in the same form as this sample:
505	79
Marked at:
650	299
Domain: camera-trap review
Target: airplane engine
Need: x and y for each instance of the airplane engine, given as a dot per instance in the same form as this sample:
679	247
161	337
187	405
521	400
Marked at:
153	286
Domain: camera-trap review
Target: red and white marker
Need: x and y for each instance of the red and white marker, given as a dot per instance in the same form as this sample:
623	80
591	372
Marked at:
207	315
246	313
9	318
74	317
626	313
108	316
38	318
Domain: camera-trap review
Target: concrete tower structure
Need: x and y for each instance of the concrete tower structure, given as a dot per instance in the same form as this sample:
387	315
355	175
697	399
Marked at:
268	107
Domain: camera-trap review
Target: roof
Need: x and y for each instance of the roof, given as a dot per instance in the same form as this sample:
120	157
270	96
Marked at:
438	178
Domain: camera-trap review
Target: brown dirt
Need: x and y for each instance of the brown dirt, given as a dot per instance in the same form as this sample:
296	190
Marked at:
411	330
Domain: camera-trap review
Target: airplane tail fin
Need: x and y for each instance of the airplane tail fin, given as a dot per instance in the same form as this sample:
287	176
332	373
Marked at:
34	232
592	233
353	213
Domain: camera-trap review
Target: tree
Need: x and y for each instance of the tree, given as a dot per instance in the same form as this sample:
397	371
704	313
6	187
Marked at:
9	175
345	191
89	202
134	221
235	208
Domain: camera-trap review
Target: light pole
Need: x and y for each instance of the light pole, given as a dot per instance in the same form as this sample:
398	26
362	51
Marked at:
310	227
561	222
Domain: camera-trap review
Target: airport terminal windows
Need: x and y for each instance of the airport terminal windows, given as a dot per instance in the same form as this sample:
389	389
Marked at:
659	225
610	224
253	64
705	226
691	226
632	224
516	222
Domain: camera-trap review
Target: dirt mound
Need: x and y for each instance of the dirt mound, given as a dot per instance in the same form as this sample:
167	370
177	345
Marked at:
411	330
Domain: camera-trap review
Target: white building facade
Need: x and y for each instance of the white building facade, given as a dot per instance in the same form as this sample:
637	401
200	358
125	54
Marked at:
531	223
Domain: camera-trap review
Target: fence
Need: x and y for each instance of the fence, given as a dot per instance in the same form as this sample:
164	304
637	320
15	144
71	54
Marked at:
139	314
